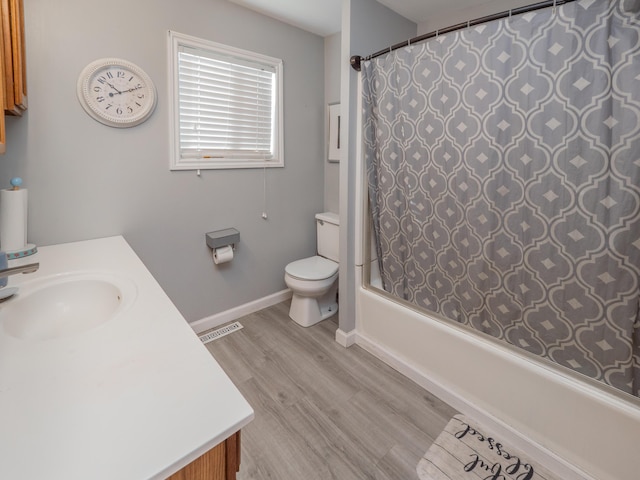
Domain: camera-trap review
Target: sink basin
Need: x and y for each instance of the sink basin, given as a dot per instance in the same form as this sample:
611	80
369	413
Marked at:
64	305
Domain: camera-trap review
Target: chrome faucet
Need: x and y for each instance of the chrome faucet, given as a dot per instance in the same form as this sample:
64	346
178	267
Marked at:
30	268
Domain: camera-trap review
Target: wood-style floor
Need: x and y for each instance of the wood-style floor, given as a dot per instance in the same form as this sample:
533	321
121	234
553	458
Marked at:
322	411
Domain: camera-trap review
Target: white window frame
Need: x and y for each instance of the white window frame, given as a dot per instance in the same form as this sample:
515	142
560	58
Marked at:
177	162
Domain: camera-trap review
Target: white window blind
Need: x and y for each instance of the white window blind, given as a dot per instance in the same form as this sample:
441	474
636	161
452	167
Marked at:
227	107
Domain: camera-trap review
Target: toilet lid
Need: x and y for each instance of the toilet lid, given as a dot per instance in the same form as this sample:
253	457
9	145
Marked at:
312	268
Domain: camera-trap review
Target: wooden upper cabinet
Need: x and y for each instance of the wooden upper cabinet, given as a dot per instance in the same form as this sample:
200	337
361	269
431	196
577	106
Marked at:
3	143
15	79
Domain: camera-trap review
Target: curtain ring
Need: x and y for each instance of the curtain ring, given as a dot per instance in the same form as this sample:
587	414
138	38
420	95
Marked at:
554	7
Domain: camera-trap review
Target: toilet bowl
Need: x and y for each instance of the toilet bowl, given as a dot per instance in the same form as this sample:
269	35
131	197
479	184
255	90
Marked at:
314	280
314	283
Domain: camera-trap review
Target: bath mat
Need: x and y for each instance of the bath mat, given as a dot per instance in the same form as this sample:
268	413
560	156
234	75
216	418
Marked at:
467	451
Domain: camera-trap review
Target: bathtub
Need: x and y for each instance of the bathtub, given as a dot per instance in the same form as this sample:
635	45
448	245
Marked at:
580	428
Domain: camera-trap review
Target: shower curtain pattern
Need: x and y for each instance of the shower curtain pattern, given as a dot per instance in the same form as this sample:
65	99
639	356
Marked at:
504	181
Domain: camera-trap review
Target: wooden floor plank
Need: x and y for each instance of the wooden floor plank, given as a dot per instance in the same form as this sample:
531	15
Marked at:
322	411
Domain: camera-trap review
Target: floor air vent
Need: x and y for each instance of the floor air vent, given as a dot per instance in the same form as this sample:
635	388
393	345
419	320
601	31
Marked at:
220	332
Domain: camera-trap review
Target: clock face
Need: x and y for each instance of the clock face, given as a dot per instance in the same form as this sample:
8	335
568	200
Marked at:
116	92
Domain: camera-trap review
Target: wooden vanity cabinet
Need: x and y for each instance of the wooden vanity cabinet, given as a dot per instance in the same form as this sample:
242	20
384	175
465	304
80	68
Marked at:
222	462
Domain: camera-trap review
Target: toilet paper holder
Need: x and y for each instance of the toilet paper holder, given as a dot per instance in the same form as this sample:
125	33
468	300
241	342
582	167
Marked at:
222	238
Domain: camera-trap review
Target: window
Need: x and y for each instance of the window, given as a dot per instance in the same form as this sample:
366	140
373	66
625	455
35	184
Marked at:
226	106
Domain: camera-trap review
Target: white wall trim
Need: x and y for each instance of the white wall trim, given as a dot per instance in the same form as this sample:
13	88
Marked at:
221	318
346	339
537	452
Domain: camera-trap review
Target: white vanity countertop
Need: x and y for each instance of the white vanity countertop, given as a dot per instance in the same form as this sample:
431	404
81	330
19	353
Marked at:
136	397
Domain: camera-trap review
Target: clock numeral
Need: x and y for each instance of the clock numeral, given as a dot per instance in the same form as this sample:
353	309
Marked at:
100	99
138	104
129	109
120	74
130	78
119	111
108	106
109	74
102	80
97	89
141	95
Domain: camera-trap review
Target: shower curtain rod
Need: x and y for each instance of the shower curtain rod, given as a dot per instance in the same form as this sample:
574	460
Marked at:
357	59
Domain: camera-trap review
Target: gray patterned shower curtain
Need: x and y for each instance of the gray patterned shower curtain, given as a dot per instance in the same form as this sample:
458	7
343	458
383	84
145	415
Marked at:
504	182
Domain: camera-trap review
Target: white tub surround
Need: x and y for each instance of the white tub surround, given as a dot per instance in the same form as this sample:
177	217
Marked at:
573	426
135	397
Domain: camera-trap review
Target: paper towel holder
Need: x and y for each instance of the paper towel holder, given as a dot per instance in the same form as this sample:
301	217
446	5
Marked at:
222	238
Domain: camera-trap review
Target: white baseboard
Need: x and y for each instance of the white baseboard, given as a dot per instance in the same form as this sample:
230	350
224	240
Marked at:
537	452
221	318
346	339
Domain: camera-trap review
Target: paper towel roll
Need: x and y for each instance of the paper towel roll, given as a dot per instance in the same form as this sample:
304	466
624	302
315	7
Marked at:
13	219
223	254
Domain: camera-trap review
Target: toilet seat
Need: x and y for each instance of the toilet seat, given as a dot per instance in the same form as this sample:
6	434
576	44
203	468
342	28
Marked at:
312	268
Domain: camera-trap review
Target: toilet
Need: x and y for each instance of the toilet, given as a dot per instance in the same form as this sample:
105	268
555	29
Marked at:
314	280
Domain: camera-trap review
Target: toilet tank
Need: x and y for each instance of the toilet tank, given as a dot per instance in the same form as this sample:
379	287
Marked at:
328	235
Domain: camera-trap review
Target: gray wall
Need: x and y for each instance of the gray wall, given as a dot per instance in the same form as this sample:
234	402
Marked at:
331	95
367	26
87	180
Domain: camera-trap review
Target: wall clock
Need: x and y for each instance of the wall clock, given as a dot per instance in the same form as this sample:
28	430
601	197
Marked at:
116	92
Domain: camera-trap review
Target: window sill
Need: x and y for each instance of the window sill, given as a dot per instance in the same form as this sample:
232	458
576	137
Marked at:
225	165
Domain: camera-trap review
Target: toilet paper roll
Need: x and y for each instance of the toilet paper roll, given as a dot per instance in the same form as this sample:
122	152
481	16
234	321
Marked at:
13	219
223	254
